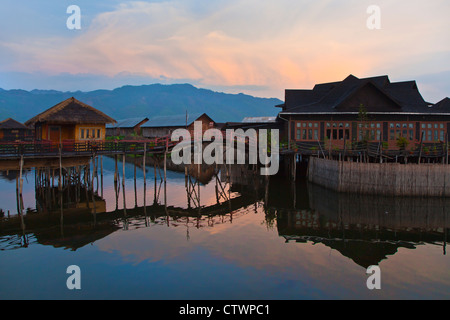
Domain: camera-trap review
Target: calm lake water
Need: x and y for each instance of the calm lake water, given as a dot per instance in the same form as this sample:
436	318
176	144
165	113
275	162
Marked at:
273	240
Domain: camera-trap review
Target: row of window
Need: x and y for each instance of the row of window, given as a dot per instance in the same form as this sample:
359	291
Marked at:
90	133
372	131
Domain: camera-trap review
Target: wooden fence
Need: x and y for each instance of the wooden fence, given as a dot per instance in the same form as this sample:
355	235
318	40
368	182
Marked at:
390	179
74	148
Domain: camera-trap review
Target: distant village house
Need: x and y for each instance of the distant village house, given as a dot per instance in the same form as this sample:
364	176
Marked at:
163	126
12	130
126	127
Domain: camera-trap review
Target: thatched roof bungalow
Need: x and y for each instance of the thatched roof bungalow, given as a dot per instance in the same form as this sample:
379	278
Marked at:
70	120
12	130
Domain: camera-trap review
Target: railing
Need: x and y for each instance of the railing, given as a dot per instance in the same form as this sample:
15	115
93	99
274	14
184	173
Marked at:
371	149
74	147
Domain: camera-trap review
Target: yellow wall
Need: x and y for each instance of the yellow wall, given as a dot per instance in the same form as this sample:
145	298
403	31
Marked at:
73	132
78	128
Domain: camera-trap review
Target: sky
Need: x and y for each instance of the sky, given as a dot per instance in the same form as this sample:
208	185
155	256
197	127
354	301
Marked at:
257	47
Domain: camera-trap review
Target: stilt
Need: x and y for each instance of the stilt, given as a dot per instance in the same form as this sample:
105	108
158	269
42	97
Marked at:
20	198
144	164
101	175
115	169
123	185
135	187
60	169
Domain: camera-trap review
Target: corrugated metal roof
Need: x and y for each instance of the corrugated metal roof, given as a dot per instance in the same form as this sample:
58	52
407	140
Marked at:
259	119
172	121
126	123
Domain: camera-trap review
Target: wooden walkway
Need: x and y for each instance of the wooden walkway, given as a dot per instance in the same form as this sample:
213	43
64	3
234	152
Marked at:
71	148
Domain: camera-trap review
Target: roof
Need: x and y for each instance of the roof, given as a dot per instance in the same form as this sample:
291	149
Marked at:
377	94
12	124
71	111
173	121
441	106
259	119
127	123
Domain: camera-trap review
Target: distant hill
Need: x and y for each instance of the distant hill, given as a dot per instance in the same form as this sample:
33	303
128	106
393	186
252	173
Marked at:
147	100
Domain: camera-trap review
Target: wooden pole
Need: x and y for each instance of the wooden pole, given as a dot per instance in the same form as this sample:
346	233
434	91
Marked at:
135	188
420	150
446	149
101	174
144	163
60	169
115	169
20	199
123	184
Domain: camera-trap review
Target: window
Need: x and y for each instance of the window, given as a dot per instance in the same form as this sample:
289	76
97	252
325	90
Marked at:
436	132
371	131
90	133
401	130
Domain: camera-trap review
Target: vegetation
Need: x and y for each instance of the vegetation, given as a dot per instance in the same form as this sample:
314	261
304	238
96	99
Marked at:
402	142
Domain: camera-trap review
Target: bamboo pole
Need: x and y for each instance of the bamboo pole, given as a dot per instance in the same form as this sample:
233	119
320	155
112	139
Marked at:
123	185
60	169
101	174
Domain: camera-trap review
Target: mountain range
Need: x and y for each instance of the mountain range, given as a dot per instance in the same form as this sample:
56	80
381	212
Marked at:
141	101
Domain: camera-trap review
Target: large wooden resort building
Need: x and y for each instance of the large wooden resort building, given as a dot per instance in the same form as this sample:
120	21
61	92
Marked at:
374	110
70	120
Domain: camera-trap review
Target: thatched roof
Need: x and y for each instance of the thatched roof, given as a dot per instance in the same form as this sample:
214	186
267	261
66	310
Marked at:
12	124
71	111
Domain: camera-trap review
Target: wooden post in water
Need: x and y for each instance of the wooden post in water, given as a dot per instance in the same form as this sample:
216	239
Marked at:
165	180
101	175
115	169
135	188
60	169
123	185
144	164
20	198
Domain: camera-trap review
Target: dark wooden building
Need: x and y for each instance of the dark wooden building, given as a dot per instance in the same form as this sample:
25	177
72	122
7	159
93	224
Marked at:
370	109
255	123
126	127
12	130
163	126
70	120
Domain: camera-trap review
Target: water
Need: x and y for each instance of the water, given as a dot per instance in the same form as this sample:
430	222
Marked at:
279	241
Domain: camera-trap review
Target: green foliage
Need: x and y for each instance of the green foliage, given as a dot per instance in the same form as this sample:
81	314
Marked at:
402	142
362	114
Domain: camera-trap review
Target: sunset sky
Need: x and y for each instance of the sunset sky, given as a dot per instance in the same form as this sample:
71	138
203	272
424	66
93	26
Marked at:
258	47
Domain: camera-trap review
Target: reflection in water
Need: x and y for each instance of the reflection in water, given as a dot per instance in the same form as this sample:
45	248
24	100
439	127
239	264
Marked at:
213	225
364	228
76	214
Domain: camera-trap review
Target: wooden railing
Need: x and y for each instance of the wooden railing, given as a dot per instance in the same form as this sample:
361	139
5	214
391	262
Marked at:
74	147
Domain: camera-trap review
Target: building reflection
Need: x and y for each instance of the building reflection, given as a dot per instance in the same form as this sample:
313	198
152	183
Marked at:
366	229
75	214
